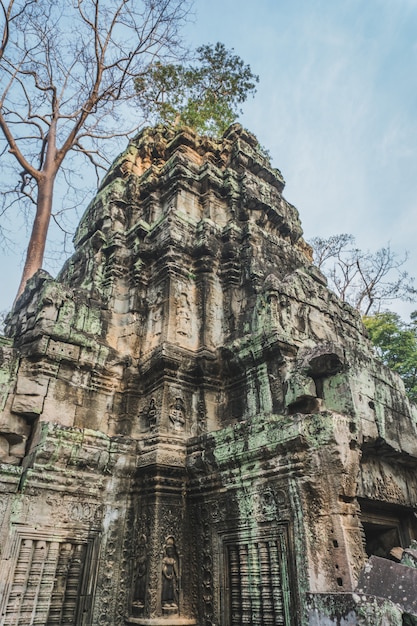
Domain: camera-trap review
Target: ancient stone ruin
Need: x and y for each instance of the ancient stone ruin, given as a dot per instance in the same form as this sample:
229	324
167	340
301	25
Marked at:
194	429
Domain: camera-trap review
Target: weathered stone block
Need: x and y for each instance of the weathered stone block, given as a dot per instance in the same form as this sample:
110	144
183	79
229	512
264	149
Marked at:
350	609
60	350
30	405
409	556
394	581
32	384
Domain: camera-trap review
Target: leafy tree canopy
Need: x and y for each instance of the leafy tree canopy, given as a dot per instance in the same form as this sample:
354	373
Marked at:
396	344
205	95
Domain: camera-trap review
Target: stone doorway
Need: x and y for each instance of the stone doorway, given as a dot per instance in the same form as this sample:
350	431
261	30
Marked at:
386	529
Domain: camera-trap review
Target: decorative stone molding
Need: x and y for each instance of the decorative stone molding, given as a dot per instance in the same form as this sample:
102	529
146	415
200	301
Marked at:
193	428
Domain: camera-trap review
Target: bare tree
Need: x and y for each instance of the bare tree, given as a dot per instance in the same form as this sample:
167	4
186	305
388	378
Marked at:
66	68
367	280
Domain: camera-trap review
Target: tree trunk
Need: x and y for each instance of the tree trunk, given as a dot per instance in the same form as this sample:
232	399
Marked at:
37	241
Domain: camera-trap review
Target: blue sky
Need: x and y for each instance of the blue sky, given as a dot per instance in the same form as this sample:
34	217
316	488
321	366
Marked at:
336	107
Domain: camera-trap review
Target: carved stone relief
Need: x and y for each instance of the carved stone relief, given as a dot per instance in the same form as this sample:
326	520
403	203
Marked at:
189	358
177	415
183	316
156	320
140	576
201	417
151	415
265	506
170	578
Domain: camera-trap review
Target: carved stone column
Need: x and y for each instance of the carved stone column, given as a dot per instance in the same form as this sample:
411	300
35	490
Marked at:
162	585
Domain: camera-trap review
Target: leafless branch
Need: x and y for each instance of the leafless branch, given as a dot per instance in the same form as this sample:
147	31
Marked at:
367	280
63	68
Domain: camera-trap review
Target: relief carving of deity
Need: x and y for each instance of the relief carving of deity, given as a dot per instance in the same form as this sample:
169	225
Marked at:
139	593
202	418
170	578
272	300
151	414
183	316
177	414
156	316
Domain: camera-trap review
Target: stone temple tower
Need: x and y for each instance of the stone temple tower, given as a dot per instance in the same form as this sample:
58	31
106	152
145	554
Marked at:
193	428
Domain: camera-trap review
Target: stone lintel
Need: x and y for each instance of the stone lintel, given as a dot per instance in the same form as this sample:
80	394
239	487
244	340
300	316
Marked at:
163	456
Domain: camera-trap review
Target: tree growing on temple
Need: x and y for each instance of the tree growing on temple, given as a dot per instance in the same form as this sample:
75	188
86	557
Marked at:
367	280
205	94
395	343
66	68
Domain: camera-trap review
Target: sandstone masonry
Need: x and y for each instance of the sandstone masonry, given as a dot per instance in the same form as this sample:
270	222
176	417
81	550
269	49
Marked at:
194	429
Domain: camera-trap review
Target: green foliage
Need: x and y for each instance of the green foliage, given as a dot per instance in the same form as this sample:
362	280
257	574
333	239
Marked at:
206	95
396	344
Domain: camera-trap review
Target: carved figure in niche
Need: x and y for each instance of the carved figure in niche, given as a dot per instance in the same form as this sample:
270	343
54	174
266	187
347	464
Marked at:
258	314
152	414
177	414
139	592
266	507
301	321
278	296
273	306
202	418
170	577
183	316
156	316
217	511
200	426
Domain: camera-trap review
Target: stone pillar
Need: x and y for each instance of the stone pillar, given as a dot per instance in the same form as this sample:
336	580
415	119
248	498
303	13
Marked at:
161	591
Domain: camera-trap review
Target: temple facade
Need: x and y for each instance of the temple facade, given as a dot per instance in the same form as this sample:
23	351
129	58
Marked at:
194	429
